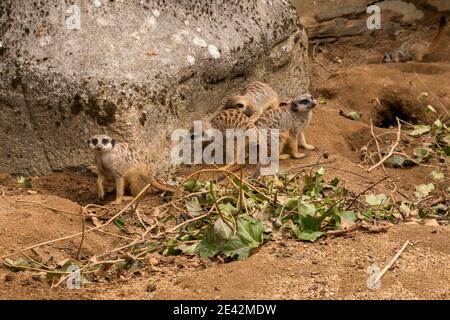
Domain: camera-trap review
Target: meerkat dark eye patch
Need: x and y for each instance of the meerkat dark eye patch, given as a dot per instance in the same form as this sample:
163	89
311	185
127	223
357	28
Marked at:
305	101
105	142
240	105
94	141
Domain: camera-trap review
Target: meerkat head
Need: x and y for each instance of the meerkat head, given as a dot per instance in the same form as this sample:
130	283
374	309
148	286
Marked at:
303	102
388	58
241	104
101	143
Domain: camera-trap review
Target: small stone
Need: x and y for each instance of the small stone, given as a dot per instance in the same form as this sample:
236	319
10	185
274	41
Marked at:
190	60
151	287
156	13
152	260
214	51
8	278
200	42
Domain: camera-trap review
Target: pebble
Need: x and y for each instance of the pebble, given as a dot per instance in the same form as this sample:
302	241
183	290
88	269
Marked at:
151	287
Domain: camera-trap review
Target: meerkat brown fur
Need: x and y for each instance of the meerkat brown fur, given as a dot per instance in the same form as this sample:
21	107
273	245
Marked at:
293	117
416	50
258	98
124	164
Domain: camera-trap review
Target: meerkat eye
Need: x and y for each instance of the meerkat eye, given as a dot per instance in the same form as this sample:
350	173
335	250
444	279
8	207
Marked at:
94	141
240	105
304	101
105	141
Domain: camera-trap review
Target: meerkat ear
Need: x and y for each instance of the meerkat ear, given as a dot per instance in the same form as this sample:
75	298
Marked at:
113	142
89	141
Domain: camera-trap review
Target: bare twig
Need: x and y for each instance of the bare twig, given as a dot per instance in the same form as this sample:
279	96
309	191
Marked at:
369	188
395	144
377	144
385	269
80	233
317	61
49	207
434	96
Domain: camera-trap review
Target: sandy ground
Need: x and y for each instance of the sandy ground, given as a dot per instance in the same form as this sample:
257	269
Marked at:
345	77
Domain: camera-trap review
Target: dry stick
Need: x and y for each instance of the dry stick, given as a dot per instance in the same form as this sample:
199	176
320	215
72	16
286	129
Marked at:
377	144
48	207
397	141
80	233
412	160
317	61
434	96
378	278
369	188
218	209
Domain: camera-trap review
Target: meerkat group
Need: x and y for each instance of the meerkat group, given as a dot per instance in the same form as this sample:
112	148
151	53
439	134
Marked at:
261	106
416	50
258	109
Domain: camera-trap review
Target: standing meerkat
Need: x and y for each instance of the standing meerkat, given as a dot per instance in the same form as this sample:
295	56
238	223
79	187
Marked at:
124	164
258	98
292	117
416	50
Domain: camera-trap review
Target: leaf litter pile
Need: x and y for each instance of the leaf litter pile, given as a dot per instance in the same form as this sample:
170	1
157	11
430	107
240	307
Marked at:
230	220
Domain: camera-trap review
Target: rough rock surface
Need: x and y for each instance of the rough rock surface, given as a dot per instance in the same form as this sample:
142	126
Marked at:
134	69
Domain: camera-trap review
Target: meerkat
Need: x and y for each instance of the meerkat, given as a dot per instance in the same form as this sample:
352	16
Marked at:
124	164
416	50
292	117
258	98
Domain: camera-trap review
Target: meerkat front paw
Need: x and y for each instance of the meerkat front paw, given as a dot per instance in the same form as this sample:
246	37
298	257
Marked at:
299	155
309	147
284	156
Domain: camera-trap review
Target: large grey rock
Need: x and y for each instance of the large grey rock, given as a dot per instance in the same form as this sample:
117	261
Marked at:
134	69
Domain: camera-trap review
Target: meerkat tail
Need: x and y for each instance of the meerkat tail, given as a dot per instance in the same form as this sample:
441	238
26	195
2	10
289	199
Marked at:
437	38
160	186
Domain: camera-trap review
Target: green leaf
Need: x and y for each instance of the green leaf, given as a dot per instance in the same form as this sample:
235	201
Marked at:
347	219
419	130
422	97
227	209
430	109
191	185
321	171
422	152
437	175
353	115
424	190
309	218
209	246
377	200
26	183
310	236
193	207
446	150
120	223
248	237
223	230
